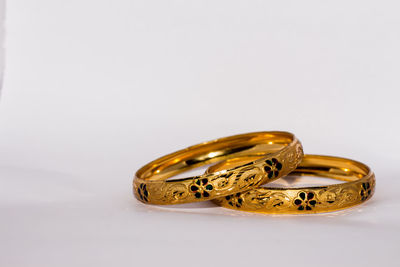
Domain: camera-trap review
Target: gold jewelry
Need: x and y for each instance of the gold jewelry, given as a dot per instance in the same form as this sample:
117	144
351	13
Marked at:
359	186
278	154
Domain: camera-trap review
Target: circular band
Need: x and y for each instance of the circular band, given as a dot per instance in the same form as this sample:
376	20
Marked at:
278	153
359	186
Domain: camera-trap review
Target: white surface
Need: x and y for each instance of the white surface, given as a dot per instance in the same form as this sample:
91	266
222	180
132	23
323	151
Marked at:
95	89
2	29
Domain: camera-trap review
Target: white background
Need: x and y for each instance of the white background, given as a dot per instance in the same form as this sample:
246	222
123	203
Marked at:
95	89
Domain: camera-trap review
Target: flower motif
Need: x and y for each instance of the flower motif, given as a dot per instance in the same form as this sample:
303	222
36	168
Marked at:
142	192
305	201
330	197
365	191
274	167
235	200
201	187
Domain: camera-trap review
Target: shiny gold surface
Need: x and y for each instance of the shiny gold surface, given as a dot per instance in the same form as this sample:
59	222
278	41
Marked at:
279	148
359	187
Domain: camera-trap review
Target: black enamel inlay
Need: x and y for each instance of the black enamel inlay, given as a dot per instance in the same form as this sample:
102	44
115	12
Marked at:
279	166
247	164
227	175
142	192
194	188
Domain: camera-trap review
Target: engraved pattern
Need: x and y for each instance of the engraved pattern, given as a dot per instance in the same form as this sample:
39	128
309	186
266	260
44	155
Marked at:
201	187
273	167
257	199
236	201
303	200
142	192
175	193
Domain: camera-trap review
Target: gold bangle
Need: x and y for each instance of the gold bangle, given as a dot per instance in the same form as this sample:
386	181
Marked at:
359	186
278	154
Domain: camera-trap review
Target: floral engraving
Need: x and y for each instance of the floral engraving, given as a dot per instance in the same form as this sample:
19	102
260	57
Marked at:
201	188
305	201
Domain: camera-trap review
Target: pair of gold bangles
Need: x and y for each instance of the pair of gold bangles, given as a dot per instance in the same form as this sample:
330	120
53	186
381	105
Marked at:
240	164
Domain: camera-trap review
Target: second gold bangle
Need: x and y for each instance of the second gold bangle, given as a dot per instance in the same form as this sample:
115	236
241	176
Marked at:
359	187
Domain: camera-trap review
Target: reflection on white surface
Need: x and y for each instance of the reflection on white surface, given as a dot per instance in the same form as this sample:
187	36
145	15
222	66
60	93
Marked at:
60	214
